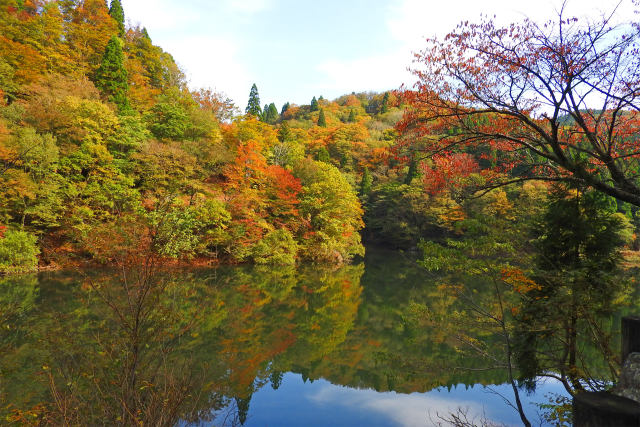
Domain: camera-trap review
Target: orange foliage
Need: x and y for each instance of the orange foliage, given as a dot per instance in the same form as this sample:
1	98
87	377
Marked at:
518	280
448	171
258	192
216	102
141	94
27	62
291	112
352	101
90	30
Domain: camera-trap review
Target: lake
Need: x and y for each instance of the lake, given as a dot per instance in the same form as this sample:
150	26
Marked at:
251	345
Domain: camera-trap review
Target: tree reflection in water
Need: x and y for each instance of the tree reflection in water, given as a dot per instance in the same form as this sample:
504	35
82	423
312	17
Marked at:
153	347
181	346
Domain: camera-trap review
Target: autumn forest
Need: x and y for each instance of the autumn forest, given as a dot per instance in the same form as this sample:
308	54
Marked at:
506	179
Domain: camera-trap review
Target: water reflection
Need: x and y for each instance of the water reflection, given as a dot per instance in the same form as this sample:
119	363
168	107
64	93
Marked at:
150	347
181	347
322	403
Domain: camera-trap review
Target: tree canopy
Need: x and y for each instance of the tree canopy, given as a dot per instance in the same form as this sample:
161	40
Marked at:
554	102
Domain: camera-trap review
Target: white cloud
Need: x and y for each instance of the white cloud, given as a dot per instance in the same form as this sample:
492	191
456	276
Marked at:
381	72
211	61
406	410
188	31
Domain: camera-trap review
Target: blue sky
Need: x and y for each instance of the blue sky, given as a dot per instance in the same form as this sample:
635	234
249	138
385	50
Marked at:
296	49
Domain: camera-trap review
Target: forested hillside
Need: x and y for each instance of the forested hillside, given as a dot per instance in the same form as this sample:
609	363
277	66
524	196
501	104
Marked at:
507	208
105	151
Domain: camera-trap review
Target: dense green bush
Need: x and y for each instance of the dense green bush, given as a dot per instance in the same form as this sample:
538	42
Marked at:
18	252
278	247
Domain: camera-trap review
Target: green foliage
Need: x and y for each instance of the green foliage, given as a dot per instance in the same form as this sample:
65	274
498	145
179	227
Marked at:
38	153
8	86
352	116
578	272
558	412
270	114
333	210
129	136
168	119
412	172
112	77
278	247
322	155
212	222
18	252
117	13
253	105
284	132
365	184
314	104
582	232
173	228
385	103
399	215
286	154
322	121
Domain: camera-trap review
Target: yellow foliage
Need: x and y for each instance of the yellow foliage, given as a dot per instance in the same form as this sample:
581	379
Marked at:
498	205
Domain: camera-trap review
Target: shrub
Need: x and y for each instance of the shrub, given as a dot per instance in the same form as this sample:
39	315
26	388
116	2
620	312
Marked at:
18	252
278	247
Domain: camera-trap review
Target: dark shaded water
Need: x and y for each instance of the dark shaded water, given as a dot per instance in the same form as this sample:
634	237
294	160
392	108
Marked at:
261	346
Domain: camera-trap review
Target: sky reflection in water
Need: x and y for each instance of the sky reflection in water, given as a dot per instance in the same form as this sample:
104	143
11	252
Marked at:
321	403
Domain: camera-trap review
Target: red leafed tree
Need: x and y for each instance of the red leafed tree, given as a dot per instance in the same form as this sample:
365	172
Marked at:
282	190
258	192
447	170
558	101
245	175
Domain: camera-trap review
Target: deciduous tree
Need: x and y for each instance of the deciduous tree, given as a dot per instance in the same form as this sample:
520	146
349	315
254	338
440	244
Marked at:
559	101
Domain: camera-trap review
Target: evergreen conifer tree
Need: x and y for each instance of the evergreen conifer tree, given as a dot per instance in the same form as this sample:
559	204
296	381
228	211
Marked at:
322	121
253	106
314	104
579	257
385	103
412	172
117	13
285	107
284	133
111	77
270	114
366	183
352	116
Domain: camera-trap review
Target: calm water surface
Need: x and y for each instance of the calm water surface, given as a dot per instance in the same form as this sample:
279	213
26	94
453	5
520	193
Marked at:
258	346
